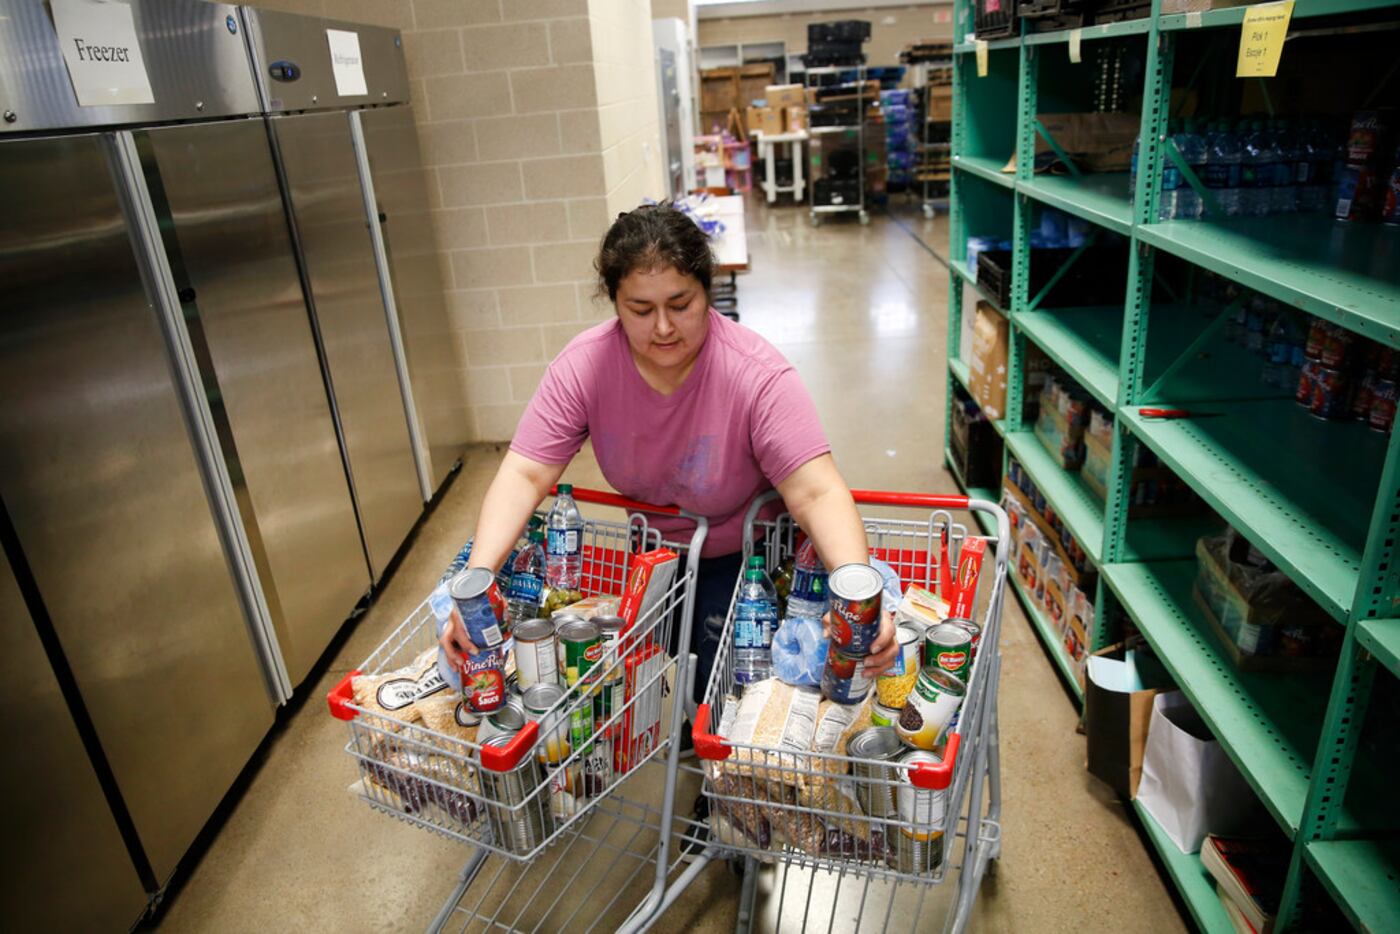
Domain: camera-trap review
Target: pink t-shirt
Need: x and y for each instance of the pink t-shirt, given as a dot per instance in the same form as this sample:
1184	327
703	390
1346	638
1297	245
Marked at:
740	424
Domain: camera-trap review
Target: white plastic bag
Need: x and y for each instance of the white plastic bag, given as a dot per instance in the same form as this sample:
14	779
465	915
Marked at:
1189	785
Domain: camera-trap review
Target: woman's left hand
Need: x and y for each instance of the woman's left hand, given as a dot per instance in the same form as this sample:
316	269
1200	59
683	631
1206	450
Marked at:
882	651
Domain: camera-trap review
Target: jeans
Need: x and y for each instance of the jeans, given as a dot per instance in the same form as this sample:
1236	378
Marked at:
713	591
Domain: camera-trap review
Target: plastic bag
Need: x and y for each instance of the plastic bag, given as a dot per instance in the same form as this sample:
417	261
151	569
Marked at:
799	652
894	590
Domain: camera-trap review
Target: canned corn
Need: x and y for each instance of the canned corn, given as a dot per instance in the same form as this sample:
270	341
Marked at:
893	687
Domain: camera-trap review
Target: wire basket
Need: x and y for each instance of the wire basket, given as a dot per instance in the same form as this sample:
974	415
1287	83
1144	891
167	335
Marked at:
871	815
521	790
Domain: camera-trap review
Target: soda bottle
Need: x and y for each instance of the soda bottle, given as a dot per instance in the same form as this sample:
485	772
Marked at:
808	599
564	554
755	621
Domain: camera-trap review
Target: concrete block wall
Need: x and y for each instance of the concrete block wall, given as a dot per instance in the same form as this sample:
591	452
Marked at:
538	123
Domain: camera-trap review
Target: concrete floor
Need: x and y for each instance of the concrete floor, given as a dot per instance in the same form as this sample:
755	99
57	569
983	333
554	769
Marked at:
861	312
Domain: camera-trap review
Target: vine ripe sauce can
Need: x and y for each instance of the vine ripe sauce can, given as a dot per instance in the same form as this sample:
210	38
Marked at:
855	608
479	603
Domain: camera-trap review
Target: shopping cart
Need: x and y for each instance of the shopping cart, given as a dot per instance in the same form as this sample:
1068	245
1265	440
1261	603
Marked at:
536	804
872	835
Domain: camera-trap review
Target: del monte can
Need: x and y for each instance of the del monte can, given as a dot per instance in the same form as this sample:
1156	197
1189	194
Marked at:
949	646
937	695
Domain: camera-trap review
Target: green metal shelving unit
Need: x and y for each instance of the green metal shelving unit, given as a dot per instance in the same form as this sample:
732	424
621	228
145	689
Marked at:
1321	499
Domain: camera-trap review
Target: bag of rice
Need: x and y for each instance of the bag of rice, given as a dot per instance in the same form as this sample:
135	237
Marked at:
449	714
776	716
823	787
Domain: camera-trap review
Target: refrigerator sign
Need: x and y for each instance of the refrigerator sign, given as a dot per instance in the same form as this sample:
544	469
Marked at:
346	63
102	52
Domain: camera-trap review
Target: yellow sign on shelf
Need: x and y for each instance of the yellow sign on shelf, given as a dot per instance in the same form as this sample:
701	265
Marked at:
981	58
1261	39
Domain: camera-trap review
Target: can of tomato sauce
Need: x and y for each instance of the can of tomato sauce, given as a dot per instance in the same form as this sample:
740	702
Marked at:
843	680
855	608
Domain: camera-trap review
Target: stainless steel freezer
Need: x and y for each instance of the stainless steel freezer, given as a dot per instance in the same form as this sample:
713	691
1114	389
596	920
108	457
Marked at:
75	873
217	199
295	75
108	498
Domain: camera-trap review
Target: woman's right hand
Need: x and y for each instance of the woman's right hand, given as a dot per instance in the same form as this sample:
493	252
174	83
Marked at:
455	641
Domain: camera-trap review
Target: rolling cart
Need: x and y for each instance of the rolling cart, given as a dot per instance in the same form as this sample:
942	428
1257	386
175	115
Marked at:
548	825
859	842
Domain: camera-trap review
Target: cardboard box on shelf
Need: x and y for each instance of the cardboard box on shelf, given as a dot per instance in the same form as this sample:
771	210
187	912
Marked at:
779	96
1097	142
987	366
764	120
940	104
1200	6
753	79
795	119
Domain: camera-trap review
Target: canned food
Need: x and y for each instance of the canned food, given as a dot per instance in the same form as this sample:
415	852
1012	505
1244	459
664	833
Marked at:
580	648
480	605
1360	194
596	766
855	607
869	749
1317	336
949	647
842	679
892	687
880	715
918	845
937	695
536	653
484	680
973	630
1303	394
507	721
610	696
1329	398
1383	401
539	701
1367	137
517	825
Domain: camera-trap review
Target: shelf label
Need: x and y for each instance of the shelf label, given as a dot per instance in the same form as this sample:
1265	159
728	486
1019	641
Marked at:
1075	37
102	52
981	58
1261	39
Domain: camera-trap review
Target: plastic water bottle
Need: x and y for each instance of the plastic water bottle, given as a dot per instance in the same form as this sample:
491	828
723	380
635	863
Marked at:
1321	150
527	574
1256	170
1279	371
564	554
808	599
1132	164
1223	168
1193	152
1167	206
1283	197
755	621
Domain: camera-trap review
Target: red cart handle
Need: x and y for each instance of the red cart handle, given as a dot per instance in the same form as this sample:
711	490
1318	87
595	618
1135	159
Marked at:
920	500
605	498
504	758
940	776
707	744
339	697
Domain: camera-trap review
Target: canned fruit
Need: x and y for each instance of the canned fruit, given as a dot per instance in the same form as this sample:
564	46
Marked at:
842	680
937	695
893	686
855	607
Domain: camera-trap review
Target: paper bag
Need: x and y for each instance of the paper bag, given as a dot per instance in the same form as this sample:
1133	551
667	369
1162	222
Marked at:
1189	785
1117	717
987	368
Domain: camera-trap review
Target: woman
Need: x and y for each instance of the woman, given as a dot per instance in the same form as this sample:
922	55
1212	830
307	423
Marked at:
683	406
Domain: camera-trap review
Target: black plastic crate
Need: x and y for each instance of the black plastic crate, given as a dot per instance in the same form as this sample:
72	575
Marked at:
995	19
1052	15
846	30
1099	277
1115	11
831	191
974	443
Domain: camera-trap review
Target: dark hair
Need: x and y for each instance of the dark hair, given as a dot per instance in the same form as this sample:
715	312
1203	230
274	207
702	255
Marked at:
653	236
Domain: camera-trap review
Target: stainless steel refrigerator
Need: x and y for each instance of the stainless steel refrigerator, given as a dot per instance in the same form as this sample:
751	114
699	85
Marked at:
349	159
167	451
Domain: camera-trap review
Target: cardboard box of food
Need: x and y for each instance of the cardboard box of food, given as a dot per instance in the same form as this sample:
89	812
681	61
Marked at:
940	104
764	120
785	95
652	575
987	368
